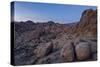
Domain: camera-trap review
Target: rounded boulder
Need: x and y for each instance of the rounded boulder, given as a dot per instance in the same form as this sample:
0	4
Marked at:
82	51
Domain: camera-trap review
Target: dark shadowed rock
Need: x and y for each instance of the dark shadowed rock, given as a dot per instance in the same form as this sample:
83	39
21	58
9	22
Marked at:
93	46
94	56
83	51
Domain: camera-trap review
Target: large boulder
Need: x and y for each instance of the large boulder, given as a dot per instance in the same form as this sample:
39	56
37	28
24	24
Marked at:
91	41
82	50
44	50
67	52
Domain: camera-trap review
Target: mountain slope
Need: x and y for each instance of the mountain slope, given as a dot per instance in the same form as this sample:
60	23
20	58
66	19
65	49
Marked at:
87	25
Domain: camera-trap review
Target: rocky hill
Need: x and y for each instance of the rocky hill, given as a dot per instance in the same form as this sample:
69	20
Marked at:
87	25
50	42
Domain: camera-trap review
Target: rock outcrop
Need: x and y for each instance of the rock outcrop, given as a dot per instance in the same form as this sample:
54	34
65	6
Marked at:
87	25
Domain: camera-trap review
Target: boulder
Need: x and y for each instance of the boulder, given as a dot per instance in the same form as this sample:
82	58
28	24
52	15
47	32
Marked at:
82	51
67	52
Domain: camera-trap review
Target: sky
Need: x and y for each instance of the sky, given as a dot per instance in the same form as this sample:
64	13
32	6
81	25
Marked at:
43	12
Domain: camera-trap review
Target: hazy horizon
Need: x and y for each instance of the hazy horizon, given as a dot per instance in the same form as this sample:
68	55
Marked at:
43	12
